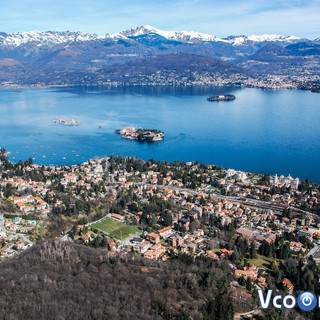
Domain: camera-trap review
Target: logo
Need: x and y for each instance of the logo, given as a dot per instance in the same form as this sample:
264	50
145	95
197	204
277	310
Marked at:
307	301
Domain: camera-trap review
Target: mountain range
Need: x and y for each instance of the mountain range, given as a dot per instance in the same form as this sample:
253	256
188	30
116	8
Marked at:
29	55
51	38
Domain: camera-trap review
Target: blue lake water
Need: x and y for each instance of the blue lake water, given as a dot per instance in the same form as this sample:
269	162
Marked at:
261	131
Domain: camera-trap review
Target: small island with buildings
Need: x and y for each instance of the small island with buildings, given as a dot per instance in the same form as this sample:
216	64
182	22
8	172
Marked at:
65	122
148	135
222	97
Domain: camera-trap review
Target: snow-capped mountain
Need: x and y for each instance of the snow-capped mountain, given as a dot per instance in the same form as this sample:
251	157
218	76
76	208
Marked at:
51	38
240	40
37	56
48	38
181	36
192	36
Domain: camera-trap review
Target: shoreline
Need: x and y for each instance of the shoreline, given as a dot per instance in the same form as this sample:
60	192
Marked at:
145	159
117	85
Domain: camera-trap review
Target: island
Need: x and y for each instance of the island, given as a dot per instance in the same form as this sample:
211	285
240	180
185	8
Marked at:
222	97
65	122
148	135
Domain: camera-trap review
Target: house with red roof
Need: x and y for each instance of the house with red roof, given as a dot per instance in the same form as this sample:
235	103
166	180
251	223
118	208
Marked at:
250	272
153	237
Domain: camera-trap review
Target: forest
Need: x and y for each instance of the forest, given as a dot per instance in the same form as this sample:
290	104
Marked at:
62	280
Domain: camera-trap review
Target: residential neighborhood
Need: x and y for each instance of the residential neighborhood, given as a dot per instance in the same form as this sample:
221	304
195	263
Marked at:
161	211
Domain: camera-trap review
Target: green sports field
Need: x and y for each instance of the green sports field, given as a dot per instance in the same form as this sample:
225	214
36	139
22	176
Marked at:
114	228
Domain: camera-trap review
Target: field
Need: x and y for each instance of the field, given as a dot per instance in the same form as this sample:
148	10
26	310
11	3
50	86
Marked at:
114	228
261	262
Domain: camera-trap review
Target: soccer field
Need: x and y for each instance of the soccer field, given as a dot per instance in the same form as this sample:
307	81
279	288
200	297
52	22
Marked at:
114	228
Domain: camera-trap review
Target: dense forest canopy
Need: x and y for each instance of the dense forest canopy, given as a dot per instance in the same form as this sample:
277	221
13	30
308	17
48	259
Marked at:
62	280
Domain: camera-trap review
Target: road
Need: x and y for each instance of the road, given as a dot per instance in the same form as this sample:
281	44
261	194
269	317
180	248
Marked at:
315	249
21	235
66	238
249	314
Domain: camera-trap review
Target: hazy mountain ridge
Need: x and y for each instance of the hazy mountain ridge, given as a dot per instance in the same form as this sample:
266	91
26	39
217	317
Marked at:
70	52
159	70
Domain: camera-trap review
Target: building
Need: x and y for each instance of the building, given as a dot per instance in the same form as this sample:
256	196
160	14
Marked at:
184	223
225	253
175	241
250	272
296	246
238	175
142	247
211	255
155	251
288	284
153	237
286	181
257	234
29	203
165	232
122	179
261	281
118	217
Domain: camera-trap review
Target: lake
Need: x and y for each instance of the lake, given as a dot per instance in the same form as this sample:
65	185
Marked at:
261	131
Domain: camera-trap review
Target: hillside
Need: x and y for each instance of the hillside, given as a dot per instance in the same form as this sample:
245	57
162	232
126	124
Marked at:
61	280
157	70
181	64
11	69
294	60
78	58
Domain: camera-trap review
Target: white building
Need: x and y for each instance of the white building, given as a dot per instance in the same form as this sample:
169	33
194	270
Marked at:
238	175
287	181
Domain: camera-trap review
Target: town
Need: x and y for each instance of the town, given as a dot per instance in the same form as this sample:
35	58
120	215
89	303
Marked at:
254	223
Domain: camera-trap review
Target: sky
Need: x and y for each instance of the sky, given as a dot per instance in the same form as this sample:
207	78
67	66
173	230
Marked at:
218	17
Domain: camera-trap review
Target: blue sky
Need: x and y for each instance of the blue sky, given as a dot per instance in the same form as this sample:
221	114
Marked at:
218	17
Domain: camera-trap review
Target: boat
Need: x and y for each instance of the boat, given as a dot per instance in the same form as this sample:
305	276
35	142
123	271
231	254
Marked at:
64	158
44	157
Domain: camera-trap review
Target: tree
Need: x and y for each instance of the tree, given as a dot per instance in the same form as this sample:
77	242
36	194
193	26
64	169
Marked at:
242	281
253	251
274	265
249	285
167	219
194	225
235	255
